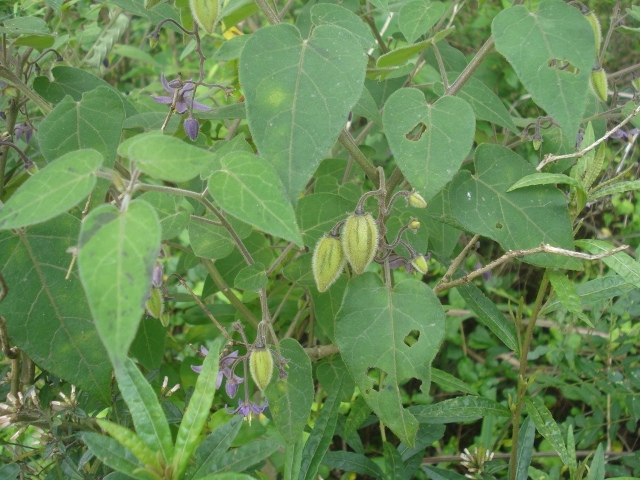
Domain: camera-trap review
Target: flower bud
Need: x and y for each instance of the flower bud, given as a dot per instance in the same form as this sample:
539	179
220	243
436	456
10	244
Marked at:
420	264
599	83
261	367
595	26
416	200
328	261
414	225
191	128
636	84
537	143
360	240
206	13
155	303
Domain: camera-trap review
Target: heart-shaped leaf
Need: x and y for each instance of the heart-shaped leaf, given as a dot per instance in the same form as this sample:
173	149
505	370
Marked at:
552	51
298	94
429	142
406	326
418	16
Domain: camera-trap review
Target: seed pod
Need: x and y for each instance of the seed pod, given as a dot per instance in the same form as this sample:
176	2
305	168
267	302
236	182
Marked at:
155	304
328	261
360	240
206	13
261	367
595	26
416	200
420	264
599	83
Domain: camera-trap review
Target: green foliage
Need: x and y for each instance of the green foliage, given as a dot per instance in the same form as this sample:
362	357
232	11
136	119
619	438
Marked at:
167	170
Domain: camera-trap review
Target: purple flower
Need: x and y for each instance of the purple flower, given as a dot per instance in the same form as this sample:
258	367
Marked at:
183	98
23	129
248	409
226	367
191	128
625	135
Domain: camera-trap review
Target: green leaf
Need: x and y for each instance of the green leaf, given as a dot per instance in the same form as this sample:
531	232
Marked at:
567	292
299	270
173	220
526	436
517	220
547	426
317	214
293	459
212	448
148	345
621	263
327	304
147	414
298	95
93	122
417	17
39	42
114	455
330	14
62	184
440	474
24	26
411	308
252	278
401	55
393	464
428	158
320	438
115	261
240	459
165	157
133	442
459	409
210	241
333	375
290	399
9	471
614	189
449	383
531	41
197	411
545	179
250	190
352	462
490	316
34	263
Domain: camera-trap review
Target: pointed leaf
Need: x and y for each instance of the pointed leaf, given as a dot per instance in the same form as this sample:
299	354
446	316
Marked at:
114	455
165	157
197	410
621	263
547	426
53	190
240	459
320	438
596	472
393	464
352	462
526	436
298	94
449	383
517	220
545	179
429	142
252	278
460	409
249	189
116	258
552	51
130	440
490	315
217	443
93	122
318	213
330	14
440	474
377	356
615	188
290	399
47	315
147	414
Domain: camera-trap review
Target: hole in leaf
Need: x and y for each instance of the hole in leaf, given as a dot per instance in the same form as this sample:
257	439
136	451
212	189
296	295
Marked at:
563	66
416	132
412	338
499	225
375	374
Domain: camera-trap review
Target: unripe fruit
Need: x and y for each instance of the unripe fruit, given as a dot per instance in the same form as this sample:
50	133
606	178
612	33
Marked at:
261	367
599	83
206	13
416	200
420	264
414	225
328	261
360	240
595	26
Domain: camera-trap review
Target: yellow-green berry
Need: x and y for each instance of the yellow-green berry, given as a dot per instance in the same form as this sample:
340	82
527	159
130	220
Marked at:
360	240
327	262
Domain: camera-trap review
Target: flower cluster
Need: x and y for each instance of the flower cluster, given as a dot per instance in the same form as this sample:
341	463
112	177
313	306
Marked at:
475	463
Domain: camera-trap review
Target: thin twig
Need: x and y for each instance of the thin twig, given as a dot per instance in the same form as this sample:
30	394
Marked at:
544	248
459	259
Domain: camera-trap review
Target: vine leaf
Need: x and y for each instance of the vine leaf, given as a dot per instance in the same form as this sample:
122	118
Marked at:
552	51
116	258
250	190
387	337
429	142
521	219
53	190
48	316
298	94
